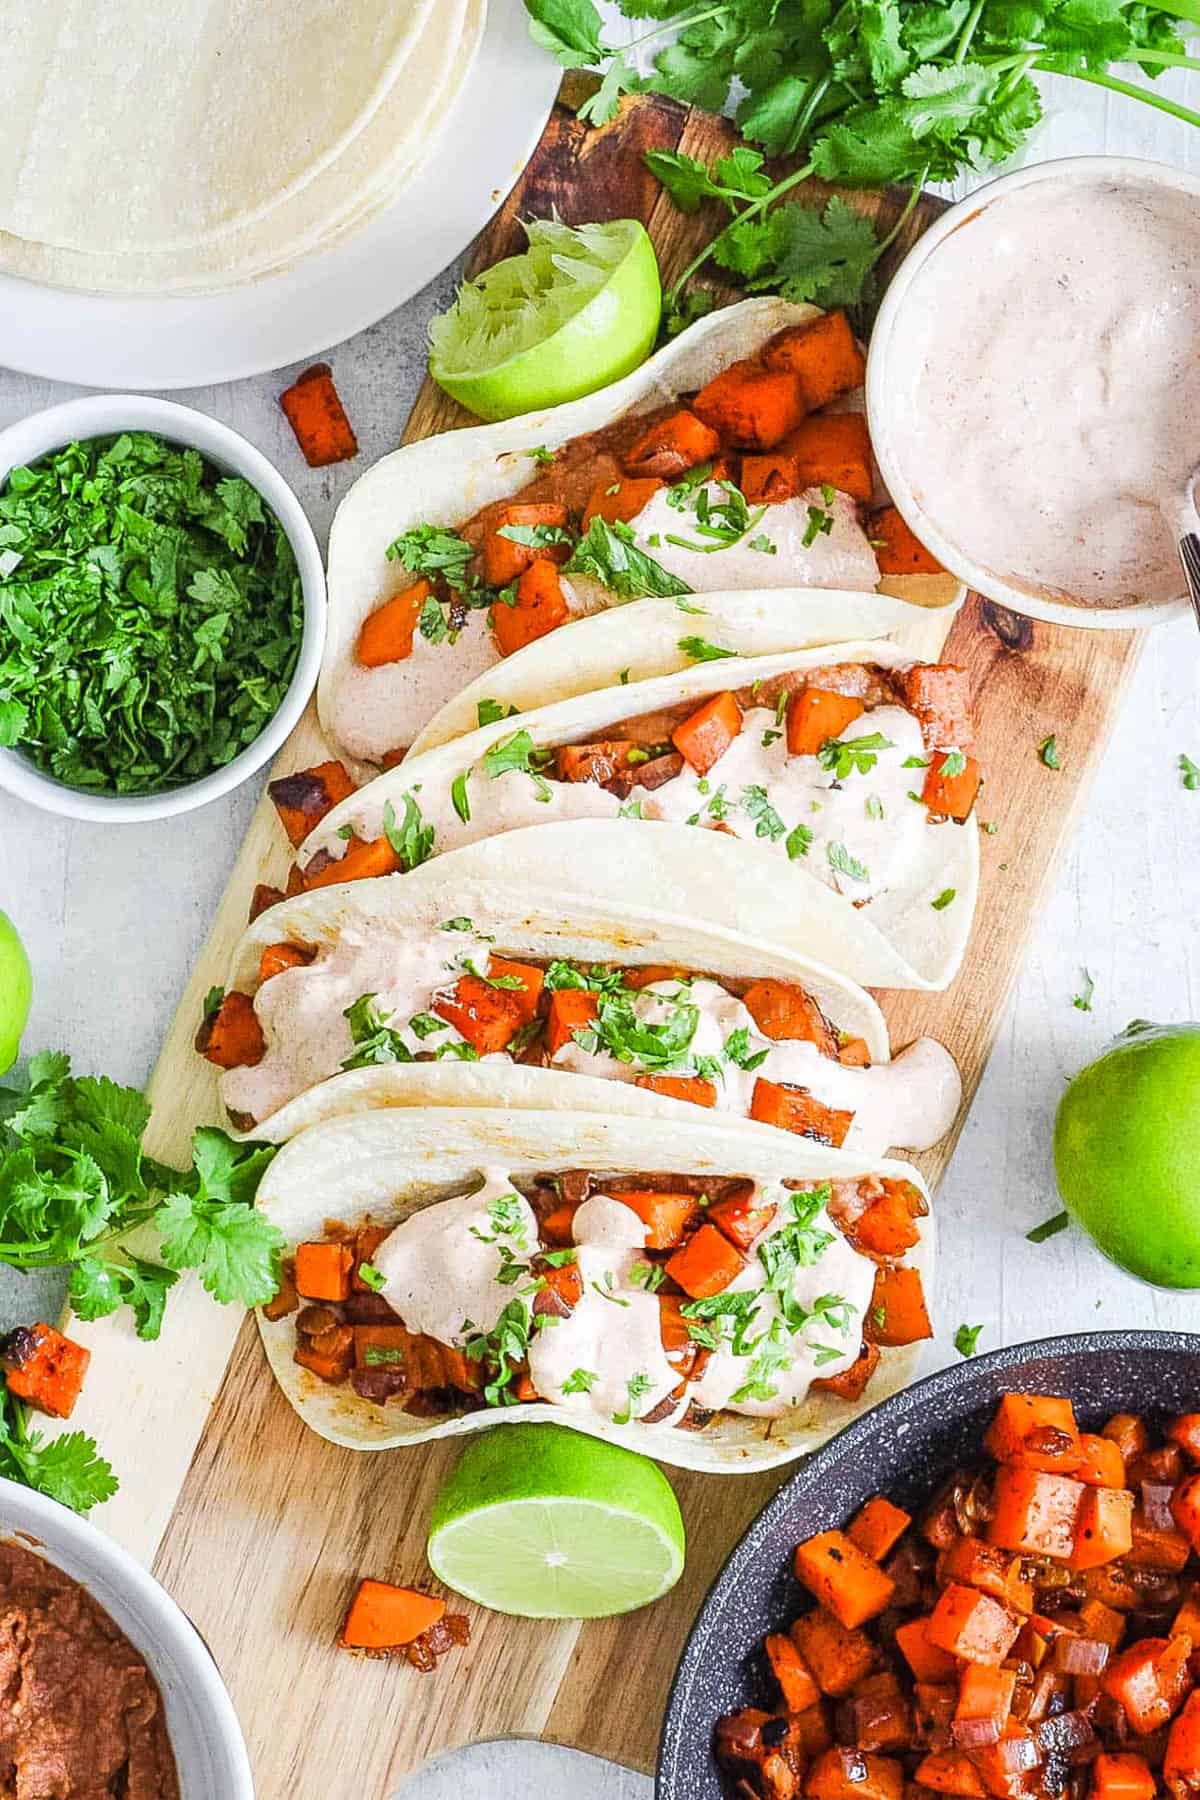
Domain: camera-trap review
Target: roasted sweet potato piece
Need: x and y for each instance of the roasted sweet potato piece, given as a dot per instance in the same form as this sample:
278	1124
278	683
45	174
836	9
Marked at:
783	1010
950	1772
877	1527
838	1655
365	859
1181	1764
842	1774
263	899
231	1036
1185	1510
329	1355
898	550
671	446
692	1088
367	1240
571	1010
315	413
323	1270
986	1692
303	799
833	450
948	791
972	1563
815	715
844	1580
503	559
387	633
771	478
927	1660
1035	1431
621	501
751	407
278	957
1129	1433
489	1015
1149	1680
1185	1431
540	606
1103	1527
665	1216
797	1685
971	1625
739	1218
382	1617
888	1227
705	736
897	1314
1100	1463
1120	1775
1035	1513
706	1264
795	1109
851	1384
45	1369
939	697
1154	1547
823	355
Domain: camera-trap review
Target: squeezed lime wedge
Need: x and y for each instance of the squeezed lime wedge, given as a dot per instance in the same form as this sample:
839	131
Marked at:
544	1523
577	310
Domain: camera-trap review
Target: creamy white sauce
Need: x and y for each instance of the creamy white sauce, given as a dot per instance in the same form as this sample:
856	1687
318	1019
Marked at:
838	1271
380	710
1052	412
302	1010
441	1265
858	835
613	1332
841	558
441	1272
909	1103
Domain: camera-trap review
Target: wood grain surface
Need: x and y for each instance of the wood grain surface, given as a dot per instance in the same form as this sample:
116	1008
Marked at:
259	1528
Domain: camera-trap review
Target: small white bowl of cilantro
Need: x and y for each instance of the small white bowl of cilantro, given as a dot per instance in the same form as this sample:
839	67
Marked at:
162	609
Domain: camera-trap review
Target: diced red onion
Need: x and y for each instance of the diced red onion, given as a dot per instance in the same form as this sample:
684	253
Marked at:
1066	1735
1156	1505
1047	1685
1075	1655
1017	1754
854	1767
974	1734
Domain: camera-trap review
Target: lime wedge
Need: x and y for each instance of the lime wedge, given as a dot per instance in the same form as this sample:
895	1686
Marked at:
15	991
545	1523
579	309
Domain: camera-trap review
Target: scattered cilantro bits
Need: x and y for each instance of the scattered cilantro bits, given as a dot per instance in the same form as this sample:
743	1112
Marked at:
1048	1228
1048	752
151	614
966	1338
1189	774
1082	1001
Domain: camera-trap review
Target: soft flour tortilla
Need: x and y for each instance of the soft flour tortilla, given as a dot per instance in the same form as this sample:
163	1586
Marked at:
390	1163
396	143
898	940
445	480
642	639
133	127
531	922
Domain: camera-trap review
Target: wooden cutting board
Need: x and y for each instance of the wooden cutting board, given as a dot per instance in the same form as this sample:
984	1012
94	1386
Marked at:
258	1527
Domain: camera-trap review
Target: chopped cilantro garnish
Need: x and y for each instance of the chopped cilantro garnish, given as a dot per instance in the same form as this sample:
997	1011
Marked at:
943	900
610	555
371	1276
1189	773
700	650
412	839
840	858
432	550
579	1381
847	756
820	524
374	1040
756	805
966	1338
458	794
1048	1228
1048	751
797	842
518	752
636	1388
1082	1001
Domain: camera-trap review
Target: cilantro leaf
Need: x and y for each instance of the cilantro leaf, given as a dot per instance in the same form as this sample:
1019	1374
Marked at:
234	1249
966	1338
412	839
607	552
68	1469
98	1287
432	550
569	29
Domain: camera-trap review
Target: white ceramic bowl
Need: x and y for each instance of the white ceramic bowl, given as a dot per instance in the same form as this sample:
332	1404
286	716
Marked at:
889	353
100	416
210	1752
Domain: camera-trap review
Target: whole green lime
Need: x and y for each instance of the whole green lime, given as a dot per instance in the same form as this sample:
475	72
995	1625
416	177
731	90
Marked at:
16	987
1127	1152
545	1523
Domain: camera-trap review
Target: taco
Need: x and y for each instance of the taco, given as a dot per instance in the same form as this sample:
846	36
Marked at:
819	804
708	1294
734	459
428	992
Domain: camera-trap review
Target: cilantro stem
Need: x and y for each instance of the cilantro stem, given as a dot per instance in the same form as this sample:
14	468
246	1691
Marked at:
1169	59
818	88
905	214
970	27
668	25
750	212
1182	9
1158	101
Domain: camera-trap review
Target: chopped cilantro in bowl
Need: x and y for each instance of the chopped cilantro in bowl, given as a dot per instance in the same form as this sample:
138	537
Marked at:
161	609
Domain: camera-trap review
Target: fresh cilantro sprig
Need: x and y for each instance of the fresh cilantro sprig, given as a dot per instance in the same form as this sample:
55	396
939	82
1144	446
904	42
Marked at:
68	1469
75	1182
609	554
869	92
150	614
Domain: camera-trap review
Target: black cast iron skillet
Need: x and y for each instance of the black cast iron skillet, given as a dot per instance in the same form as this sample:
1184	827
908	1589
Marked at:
904	1449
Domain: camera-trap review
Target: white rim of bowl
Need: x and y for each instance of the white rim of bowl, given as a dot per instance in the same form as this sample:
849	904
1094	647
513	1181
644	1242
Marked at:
56	1527
101	415
881	394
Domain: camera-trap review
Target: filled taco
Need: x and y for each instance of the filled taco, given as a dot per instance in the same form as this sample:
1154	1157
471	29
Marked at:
827	794
709	1294
431	992
737	458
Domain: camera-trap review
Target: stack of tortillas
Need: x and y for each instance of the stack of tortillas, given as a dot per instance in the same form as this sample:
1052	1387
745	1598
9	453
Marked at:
192	145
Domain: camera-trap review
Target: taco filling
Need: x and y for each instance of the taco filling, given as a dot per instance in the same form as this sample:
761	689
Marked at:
838	769
656	1298
749	483
759	1049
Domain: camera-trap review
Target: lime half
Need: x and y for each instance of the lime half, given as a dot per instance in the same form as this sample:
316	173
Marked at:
15	990
579	309
545	1523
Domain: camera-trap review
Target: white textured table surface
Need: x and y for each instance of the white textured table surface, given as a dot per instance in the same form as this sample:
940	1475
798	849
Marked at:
113	920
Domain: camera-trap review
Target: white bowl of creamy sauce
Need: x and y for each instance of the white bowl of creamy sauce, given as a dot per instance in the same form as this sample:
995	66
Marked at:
1033	388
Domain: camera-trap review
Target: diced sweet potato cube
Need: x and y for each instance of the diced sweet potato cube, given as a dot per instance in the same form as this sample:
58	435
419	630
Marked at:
571	1010
1184	1430
315	413
230	1036
1035	1431
838	1656
971	1625
834	450
704	737
751	407
671	446
927	1660
851	1384
692	1088
950	1772
898	550
1035	1512
387	633
323	1270
303	799
843	1774
795	1109
620	501
706	1264
505	558
842	1578
795	1678
950	792
817	715
824	354
540	606
45	1369
898	1314
939	697
382	1617
785	1011
1100	1463
666	1216
1103	1527
877	1527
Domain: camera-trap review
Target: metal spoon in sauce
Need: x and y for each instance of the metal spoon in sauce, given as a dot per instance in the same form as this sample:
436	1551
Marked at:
1189	540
